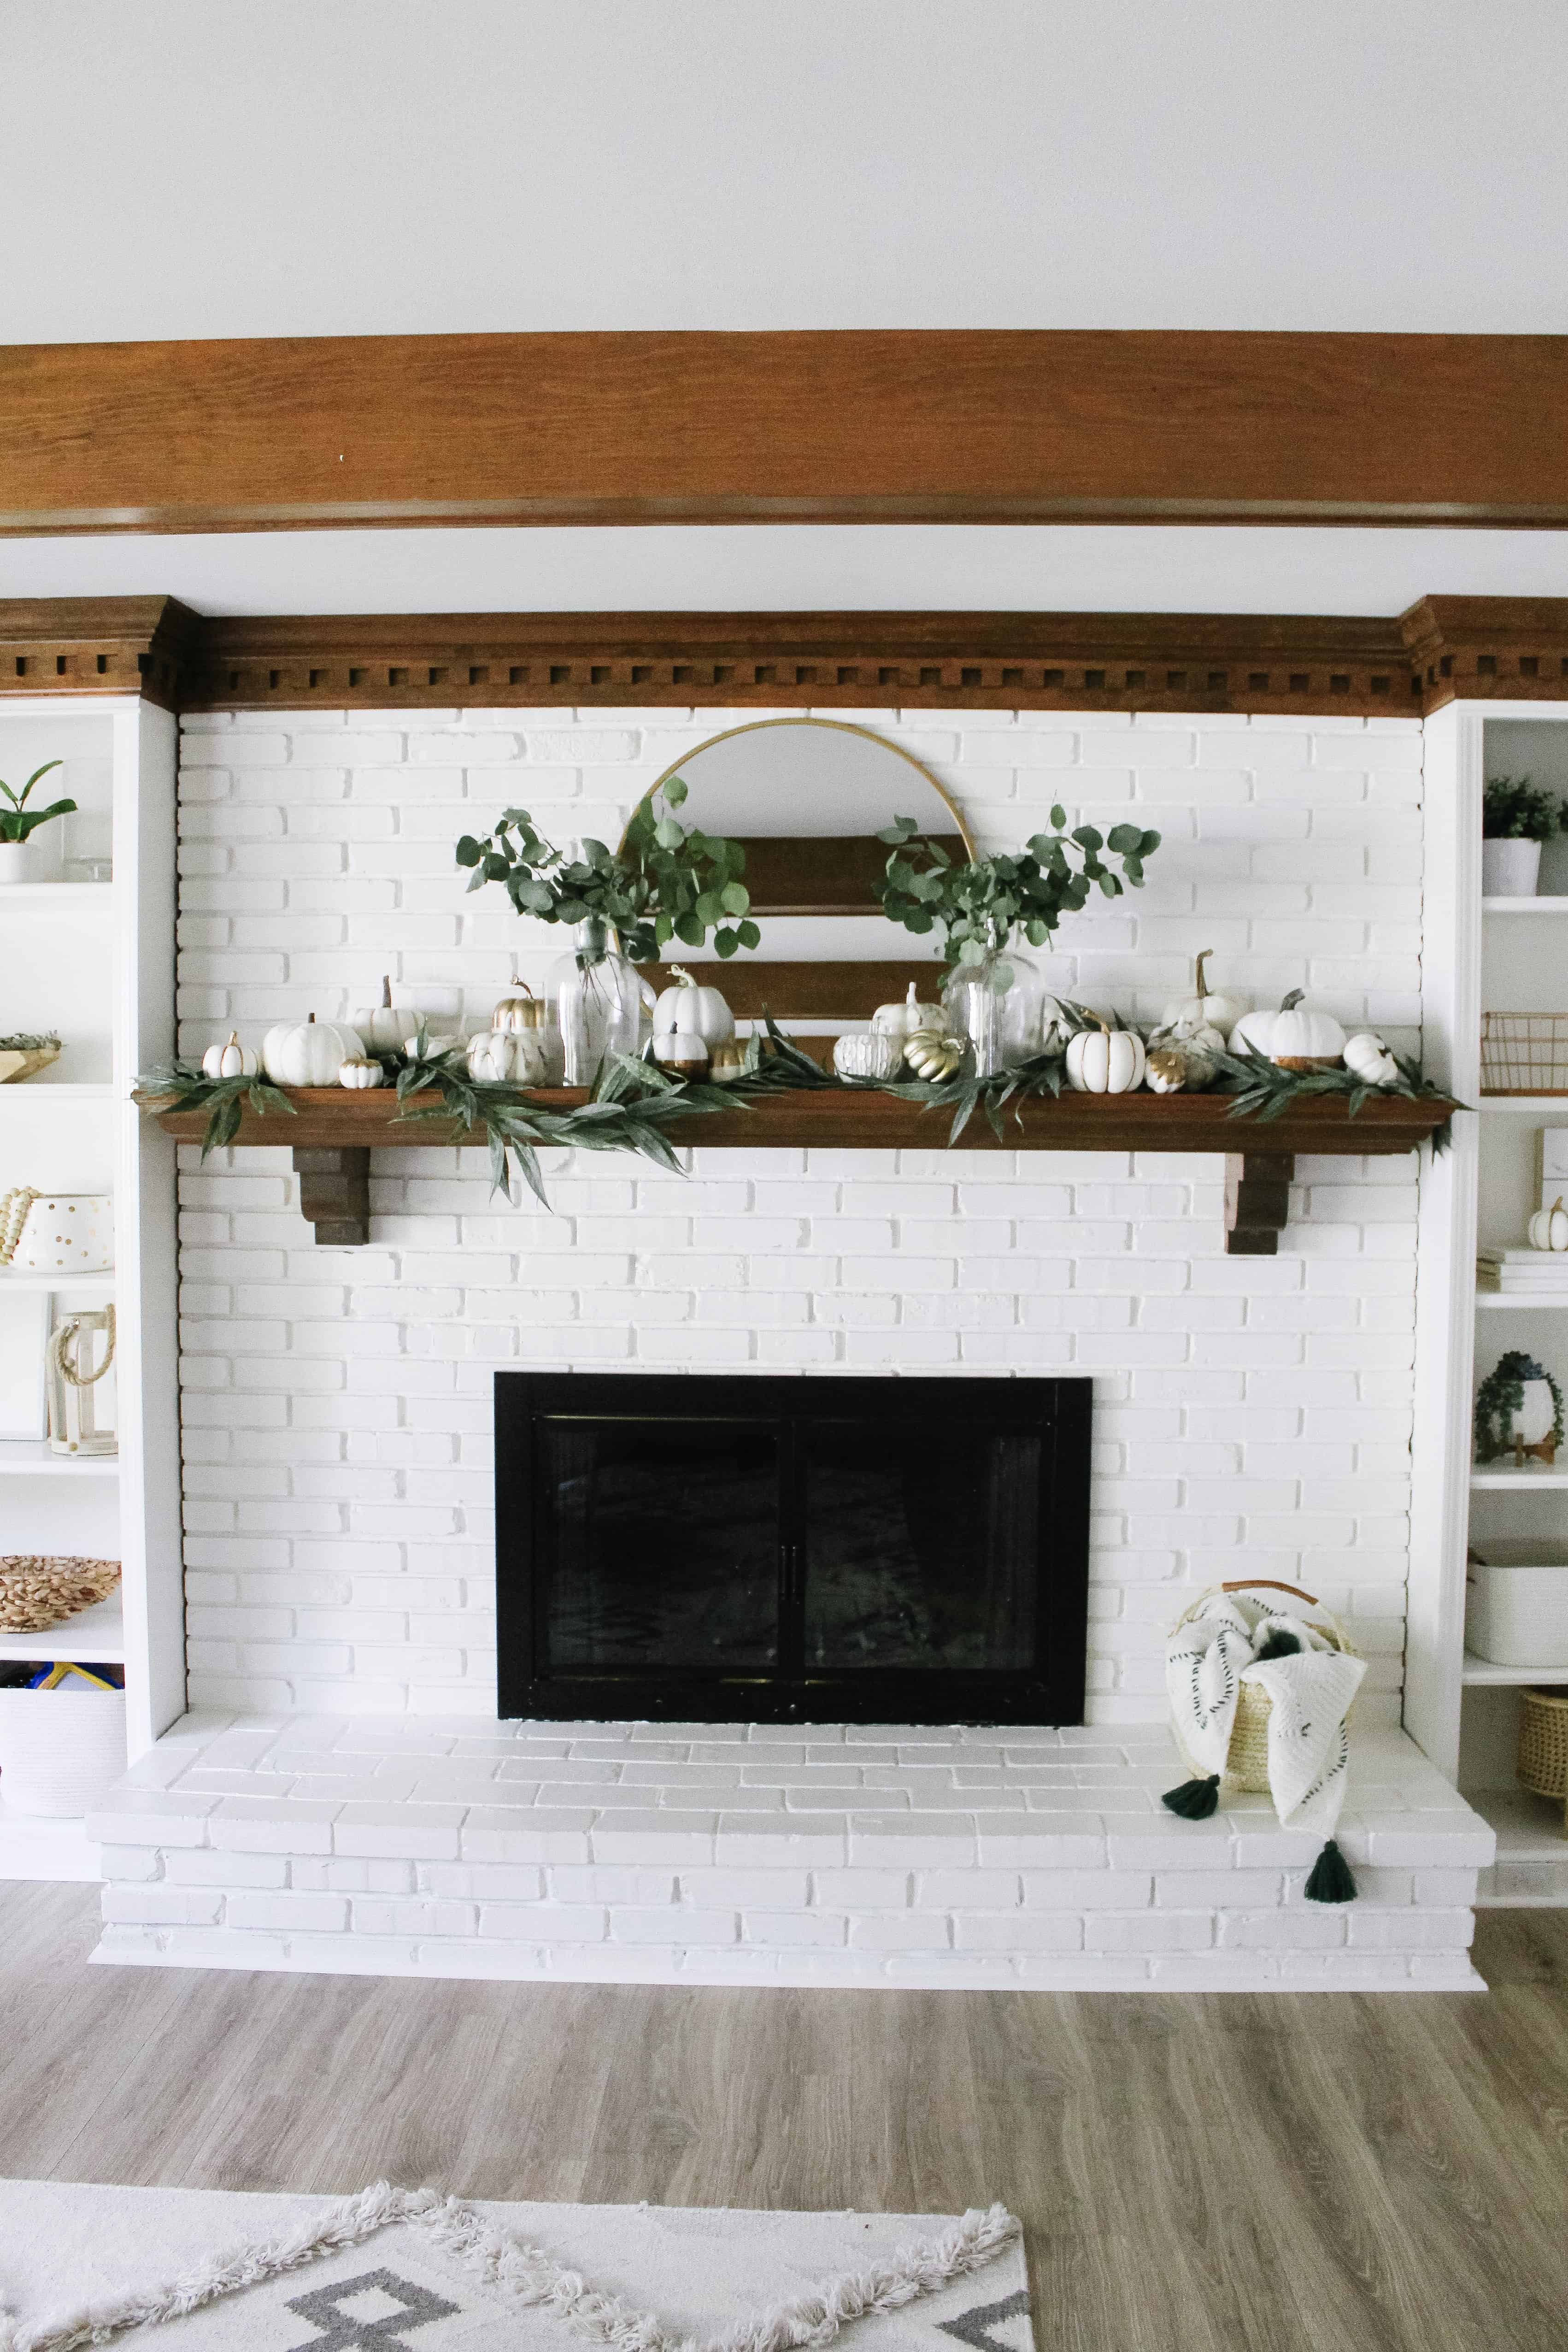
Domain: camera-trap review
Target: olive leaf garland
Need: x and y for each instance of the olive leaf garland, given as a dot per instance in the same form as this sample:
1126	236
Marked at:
635	1102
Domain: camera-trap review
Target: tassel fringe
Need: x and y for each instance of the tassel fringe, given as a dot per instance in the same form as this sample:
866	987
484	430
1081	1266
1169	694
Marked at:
1332	1880
1195	1799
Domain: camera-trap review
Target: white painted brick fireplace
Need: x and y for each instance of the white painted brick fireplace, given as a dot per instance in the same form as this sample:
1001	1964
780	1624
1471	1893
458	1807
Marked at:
1252	1415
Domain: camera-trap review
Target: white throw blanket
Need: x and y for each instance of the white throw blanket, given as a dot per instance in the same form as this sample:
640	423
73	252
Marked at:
1209	1658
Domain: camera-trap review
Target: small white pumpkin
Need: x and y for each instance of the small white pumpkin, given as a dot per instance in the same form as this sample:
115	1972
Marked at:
505	1058
1204	1008
1105	1061
359	1070
1182	1062
1548	1229
933	1054
379	1027
908	1019
682	1050
310	1053
230	1060
1295	1037
868	1053
424	1047
691	1011
1368	1058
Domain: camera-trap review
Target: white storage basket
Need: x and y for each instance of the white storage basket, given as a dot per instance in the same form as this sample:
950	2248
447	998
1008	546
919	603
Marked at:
1516	1602
59	1749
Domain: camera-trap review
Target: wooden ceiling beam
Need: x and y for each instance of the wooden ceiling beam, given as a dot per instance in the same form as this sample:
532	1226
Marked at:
876	425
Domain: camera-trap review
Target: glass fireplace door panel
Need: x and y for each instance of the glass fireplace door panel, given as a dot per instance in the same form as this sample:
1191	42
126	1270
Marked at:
922	1545
662	1544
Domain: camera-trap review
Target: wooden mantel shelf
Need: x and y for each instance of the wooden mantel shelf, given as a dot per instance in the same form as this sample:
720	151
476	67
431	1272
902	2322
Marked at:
334	1131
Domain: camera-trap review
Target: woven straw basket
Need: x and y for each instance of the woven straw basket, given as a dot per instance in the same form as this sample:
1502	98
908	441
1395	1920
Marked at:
1544	1744
37	1593
1247	1759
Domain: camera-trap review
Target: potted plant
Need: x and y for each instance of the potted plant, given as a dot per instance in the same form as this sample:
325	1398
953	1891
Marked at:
994	997
18	823
1516	818
666	881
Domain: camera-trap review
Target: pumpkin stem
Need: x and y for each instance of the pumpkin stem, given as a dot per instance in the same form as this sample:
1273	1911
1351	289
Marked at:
310	1016
233	1040
1289	1003
386	991
911	998
1202	984
683	977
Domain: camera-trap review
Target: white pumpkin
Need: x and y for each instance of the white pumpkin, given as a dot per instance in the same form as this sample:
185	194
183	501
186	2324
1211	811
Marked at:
1206	1008
359	1070
308	1054
868	1053
424	1047
1294	1037
1182	1061
684	1051
692	1010
506	1058
379	1027
1548	1229
231	1060
1105	1061
908	1019
1368	1058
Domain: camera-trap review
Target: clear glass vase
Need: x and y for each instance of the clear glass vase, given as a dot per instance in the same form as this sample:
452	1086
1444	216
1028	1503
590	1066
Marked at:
602	1006
996	1006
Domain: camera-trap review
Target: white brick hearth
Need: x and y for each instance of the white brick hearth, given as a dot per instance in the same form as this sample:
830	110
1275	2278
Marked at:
711	1854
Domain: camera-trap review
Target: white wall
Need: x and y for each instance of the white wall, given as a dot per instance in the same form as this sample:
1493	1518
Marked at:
1253	1415
378	165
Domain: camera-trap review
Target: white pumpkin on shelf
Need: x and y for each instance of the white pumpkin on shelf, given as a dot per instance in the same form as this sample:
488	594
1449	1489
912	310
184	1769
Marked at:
1181	1061
1366	1057
1204	1008
508	1058
690	1010
359	1072
1295	1037
1548	1229
1105	1061
868	1053
379	1025
309	1052
230	1060
909	1019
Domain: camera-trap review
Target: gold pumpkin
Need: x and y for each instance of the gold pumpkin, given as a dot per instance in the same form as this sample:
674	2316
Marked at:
520	1009
932	1054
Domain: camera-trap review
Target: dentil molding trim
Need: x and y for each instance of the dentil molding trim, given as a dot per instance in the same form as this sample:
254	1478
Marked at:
1445	648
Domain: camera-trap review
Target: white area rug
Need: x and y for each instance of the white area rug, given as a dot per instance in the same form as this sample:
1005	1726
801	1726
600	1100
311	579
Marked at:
394	2271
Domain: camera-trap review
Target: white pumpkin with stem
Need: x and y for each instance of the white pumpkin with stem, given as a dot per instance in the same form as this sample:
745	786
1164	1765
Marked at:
1296	1038
1105	1061
1204	1008
230	1060
361	1070
909	1019
691	1011
1367	1058
379	1026
310	1053
1548	1229
506	1058
868	1053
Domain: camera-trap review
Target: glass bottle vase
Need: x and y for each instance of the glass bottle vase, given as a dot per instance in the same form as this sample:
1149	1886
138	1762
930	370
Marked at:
601	1003
996	1006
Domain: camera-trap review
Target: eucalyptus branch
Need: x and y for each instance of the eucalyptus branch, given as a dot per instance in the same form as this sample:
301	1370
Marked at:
979	905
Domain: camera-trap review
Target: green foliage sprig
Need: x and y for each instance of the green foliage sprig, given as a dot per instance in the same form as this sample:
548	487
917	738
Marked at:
670	880
18	821
1264	1091
1513	809
980	905
1499	1397
185	1086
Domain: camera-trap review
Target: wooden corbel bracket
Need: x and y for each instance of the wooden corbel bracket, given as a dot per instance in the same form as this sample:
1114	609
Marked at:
1257	1201
335	1191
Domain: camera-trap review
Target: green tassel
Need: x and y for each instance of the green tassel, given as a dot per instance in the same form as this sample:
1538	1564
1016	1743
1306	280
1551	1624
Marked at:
1330	1881
1195	1799
1279	1644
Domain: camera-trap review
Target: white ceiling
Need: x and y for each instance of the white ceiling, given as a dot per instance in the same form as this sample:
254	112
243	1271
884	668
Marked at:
223	167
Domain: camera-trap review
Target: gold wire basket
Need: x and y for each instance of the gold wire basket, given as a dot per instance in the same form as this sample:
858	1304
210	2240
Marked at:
1524	1053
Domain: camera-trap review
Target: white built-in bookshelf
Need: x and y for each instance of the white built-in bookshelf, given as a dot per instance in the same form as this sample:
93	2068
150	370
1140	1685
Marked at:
1497	955
93	959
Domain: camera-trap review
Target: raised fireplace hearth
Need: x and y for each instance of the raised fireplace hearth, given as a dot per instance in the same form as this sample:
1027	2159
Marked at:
797	1549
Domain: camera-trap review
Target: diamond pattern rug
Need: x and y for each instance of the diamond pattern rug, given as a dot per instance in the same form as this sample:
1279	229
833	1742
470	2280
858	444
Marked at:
202	2271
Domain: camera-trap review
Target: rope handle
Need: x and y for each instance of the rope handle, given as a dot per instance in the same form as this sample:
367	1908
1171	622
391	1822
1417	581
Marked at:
1326	1623
1270	1584
71	1371
15	1206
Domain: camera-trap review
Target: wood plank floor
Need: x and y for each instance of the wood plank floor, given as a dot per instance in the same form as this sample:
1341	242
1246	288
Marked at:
1303	2173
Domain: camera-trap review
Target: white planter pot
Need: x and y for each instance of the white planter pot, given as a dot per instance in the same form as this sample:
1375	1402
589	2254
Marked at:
1509	869
60	1750
15	861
